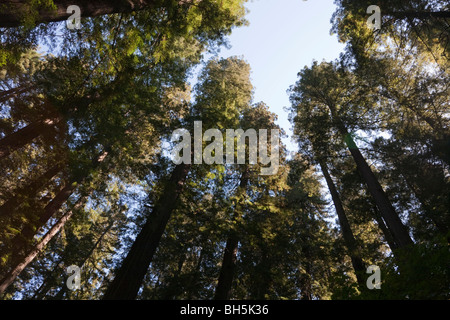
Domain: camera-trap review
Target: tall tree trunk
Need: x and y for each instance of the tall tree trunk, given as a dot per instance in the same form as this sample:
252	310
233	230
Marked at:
25	135
387	211
29	257
129	277
15	10
225	283
226	276
7	94
21	242
28	192
29	231
387	234
349	238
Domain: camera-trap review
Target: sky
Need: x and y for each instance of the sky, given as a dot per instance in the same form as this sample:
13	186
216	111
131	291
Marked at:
283	37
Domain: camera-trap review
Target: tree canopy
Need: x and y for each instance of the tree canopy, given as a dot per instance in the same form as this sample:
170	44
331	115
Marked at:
88	179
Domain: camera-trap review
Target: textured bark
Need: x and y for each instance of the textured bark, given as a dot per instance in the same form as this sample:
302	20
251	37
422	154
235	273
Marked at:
25	135
130	276
347	233
226	276
14	11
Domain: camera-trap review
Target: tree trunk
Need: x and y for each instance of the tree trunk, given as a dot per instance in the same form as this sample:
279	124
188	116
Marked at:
393	222
223	290
7	94
129	277
347	233
14	10
21	242
387	211
25	135
28	192
20	266
225	282
387	234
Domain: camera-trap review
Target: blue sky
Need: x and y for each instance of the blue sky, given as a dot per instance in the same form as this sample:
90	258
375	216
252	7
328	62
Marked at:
283	37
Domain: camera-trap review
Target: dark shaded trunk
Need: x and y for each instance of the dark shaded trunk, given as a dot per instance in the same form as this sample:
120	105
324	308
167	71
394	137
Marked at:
31	255
387	234
226	276
130	276
28	192
14	10
393	222
387	211
7	94
349	238
223	290
25	135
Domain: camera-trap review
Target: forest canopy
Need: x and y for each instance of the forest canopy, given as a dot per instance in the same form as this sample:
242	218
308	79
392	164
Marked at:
89	185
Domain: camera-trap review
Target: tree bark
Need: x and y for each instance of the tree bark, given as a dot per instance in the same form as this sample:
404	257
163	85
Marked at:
28	192
25	135
349	238
130	276
21	242
14	11
226	276
387	211
20	266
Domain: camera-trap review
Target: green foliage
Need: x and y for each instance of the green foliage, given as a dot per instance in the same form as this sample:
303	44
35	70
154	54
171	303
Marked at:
118	87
